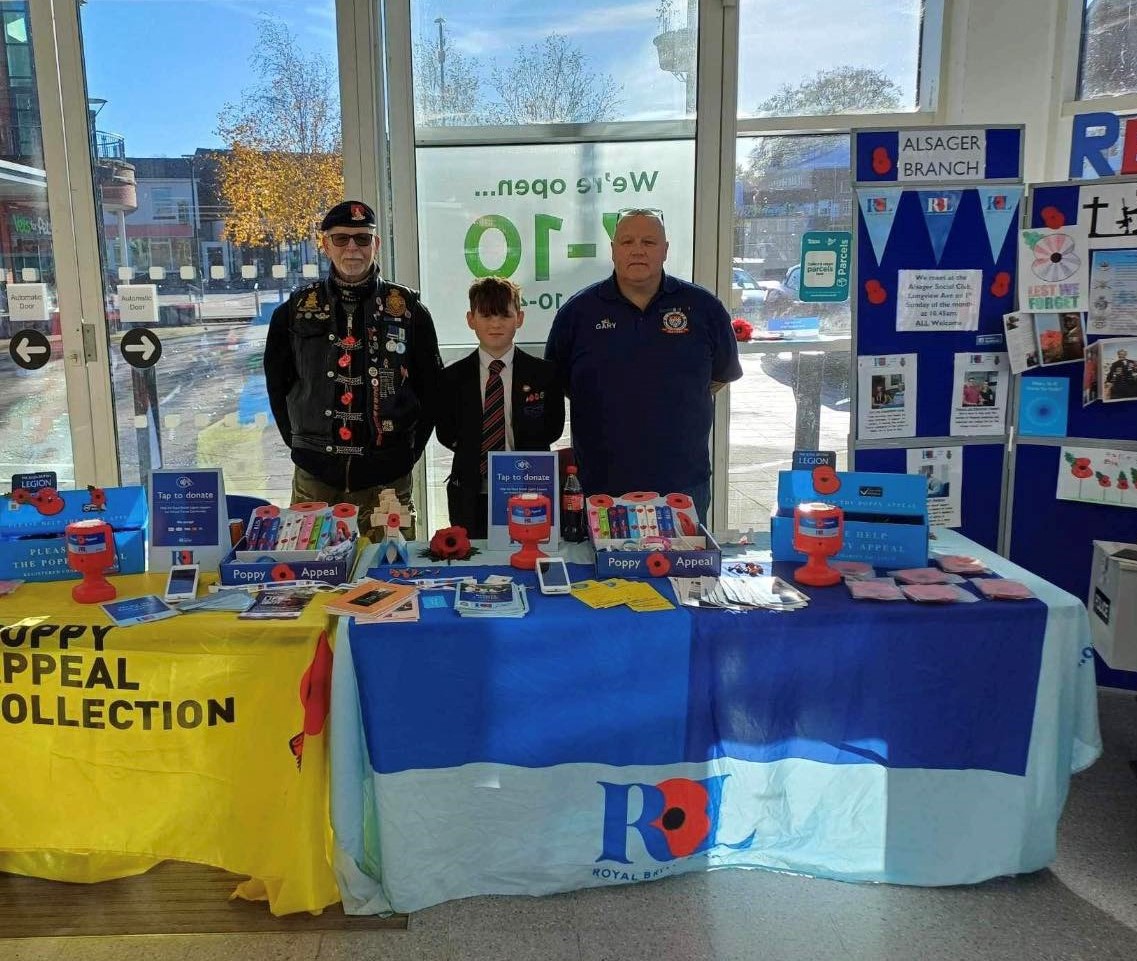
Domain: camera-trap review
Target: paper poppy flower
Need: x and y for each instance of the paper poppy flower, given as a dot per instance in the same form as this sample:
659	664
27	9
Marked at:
1122	482
742	330
21	496
282	572
1001	285
825	480
1053	217
679	502
875	292
47	501
658	565
450	544
1103	480
392	519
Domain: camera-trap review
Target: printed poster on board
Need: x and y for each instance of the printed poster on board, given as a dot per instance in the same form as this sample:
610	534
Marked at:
1113	292
1053	269
979	394
942	468
886	396
1098	475
935	300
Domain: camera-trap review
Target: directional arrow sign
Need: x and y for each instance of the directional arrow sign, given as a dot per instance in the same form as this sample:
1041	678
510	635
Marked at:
30	349
141	347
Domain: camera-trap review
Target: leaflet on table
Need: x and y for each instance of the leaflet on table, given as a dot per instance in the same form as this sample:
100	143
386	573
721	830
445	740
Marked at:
886	398
1044	403
1053	269
189	523
138	610
1098	475
491	600
937	300
942	467
979	394
1113	292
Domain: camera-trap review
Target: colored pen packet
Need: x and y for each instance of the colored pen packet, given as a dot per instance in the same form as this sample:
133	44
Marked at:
1003	589
875	589
960	564
938	594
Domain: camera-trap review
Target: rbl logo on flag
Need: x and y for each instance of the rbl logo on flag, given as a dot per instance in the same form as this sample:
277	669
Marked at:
939	205
678	817
878	205
997	202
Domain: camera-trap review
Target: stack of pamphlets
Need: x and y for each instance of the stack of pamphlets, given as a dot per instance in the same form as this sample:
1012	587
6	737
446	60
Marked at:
739	593
491	600
370	599
407	611
278	605
639	596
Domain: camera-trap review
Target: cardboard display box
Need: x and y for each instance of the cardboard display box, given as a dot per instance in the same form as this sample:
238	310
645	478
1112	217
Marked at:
33	546
886	515
1113	604
704	562
242	566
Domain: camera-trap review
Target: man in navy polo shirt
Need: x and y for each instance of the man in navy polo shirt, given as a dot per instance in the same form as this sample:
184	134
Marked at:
640	356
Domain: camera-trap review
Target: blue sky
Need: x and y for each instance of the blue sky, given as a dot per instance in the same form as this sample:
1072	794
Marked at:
166	67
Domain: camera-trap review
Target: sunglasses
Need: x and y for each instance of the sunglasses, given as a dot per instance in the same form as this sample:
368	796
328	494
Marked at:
361	240
639	212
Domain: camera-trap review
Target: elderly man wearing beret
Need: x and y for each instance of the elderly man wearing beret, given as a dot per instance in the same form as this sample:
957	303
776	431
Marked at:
353	372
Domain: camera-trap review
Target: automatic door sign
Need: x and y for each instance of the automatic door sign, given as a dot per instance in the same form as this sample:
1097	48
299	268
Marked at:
30	349
141	347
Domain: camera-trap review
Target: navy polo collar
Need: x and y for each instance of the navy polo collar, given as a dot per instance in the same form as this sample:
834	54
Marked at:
610	290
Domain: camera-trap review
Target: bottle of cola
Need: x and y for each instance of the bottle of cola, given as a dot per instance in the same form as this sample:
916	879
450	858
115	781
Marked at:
573	528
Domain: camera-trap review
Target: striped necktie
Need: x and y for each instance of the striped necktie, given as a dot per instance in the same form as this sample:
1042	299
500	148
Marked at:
493	413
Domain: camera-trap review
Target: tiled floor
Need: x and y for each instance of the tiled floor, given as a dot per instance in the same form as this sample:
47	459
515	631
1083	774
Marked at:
1084	907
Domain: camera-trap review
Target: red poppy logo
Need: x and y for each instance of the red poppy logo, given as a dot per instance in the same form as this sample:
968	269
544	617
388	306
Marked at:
658	565
881	161
1001	285
1053	217
875	292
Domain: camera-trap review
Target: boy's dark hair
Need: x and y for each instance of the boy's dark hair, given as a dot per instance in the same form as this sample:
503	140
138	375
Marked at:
494	295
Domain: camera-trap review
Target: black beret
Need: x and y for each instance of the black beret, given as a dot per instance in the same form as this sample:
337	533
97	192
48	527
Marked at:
351	213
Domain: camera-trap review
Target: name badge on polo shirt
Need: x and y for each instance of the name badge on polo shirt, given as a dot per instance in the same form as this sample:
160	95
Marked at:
675	322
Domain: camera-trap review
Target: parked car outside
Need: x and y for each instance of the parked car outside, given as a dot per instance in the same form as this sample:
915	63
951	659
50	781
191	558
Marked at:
782	300
747	295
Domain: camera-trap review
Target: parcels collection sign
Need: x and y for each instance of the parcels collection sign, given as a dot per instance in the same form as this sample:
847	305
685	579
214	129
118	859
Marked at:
544	217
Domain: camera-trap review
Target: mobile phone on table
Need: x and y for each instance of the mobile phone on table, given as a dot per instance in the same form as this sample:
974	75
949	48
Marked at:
553	575
181	584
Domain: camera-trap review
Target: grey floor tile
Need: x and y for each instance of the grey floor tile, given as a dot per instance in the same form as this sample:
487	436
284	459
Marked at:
409	945
666	942
500	913
554	944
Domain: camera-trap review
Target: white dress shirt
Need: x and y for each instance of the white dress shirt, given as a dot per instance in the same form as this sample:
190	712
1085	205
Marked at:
506	384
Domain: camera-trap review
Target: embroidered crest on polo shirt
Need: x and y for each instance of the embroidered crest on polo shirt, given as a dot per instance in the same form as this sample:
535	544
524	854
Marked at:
605	324
675	322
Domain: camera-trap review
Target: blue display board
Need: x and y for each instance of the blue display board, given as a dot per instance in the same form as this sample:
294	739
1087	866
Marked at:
937	219
975	237
982	485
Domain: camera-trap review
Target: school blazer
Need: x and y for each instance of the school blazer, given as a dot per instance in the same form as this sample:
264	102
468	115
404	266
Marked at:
538	413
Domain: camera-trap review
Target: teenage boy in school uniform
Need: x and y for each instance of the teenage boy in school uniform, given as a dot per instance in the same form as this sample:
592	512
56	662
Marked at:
496	398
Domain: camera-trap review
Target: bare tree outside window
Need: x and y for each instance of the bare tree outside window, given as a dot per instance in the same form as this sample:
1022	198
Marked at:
447	83
552	82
